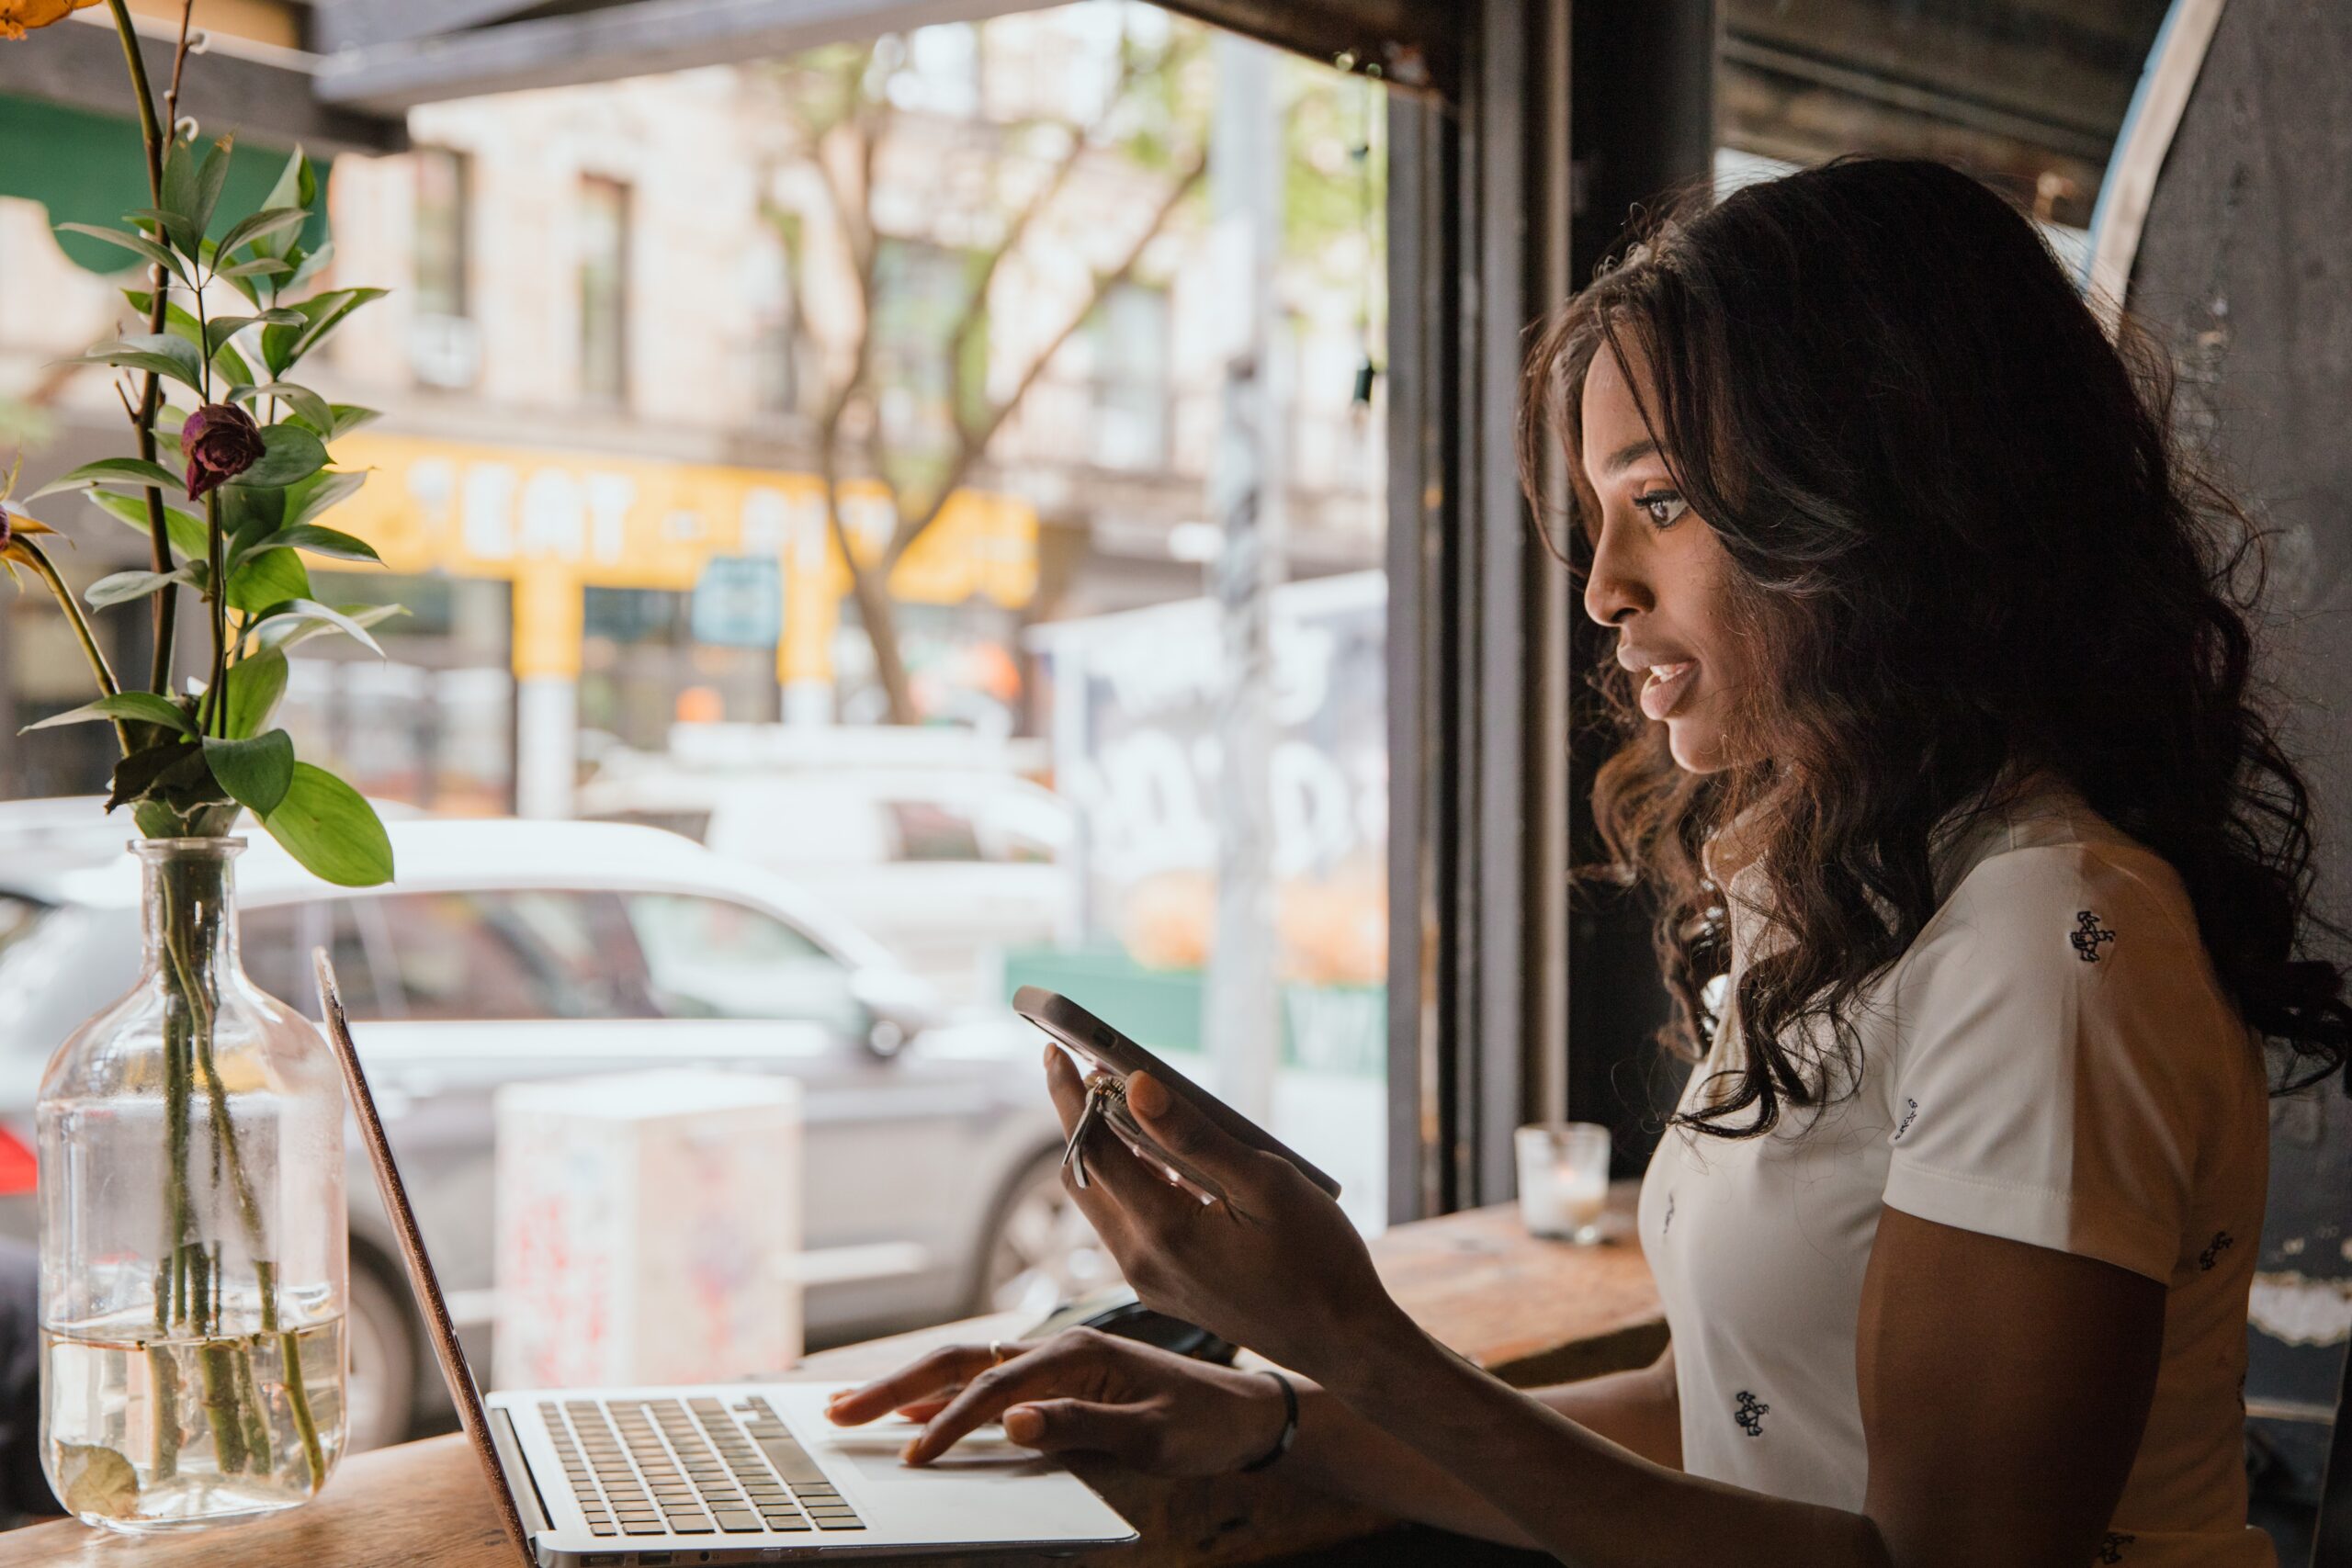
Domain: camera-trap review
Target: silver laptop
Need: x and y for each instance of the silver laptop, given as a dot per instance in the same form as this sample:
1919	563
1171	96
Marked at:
720	1472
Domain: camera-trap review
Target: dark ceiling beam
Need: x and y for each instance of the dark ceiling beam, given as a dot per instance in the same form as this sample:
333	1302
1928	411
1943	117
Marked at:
1413	44
264	95
355	24
605	44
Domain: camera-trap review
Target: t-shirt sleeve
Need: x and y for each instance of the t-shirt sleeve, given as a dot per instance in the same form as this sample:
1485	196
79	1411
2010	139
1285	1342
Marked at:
2058	1023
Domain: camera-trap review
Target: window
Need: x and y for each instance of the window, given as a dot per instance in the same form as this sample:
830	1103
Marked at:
921	291
533	953
931	830
942	73
444	208
603	290
691	824
714	958
18	916
1128	380
274	942
777	340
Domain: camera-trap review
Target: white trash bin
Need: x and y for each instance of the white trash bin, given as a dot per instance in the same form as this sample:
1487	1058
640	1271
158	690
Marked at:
640	1222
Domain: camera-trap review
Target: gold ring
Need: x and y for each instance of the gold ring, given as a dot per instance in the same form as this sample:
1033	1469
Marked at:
995	1353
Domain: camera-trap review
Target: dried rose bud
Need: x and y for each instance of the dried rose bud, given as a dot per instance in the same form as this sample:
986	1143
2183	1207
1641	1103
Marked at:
220	441
16	529
17	15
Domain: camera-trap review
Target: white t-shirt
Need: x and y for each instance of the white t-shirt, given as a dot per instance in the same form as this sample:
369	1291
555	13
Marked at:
2052	1061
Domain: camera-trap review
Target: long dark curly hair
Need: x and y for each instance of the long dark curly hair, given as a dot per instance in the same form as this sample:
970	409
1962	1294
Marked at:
1967	547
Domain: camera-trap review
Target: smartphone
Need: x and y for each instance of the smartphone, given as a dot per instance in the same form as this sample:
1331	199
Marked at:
1103	1049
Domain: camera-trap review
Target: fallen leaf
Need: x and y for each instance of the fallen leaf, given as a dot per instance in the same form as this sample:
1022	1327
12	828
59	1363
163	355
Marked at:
97	1480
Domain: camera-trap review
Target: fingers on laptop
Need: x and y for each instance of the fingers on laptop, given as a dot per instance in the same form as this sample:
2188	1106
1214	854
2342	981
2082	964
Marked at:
921	1388
1067	1364
1125	1432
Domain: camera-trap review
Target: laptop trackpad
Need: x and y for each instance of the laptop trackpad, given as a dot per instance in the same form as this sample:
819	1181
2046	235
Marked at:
873	1451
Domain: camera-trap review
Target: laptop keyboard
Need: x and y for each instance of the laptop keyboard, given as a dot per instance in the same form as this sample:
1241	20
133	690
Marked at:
690	1467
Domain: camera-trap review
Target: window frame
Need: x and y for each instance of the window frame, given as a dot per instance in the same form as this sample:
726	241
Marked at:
593	185
1479	245
461	240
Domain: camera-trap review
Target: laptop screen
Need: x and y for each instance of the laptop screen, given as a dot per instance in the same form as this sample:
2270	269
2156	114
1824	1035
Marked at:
420	1278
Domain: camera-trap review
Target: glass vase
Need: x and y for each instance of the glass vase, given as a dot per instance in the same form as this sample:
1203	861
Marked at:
193	1265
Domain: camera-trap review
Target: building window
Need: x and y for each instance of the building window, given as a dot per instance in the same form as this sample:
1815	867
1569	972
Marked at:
444	207
603	290
921	291
1128	377
777	343
942	72
444	344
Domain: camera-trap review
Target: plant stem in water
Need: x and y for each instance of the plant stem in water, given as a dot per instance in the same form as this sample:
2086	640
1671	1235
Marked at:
179	935
260	1449
166	1376
314	1454
217	1362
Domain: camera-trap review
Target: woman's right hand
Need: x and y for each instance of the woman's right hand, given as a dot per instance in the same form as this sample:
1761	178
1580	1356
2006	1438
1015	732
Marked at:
1084	1390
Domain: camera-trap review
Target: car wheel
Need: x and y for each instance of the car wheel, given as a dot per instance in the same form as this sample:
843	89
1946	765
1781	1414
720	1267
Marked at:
381	1393
1040	1251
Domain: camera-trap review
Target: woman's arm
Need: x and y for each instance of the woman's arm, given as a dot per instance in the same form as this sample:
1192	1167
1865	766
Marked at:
1339	1451
2004	1388
1169	1415
2003	1385
1641	1409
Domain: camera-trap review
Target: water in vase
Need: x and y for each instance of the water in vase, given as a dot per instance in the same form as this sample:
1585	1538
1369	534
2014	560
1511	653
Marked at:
149	1431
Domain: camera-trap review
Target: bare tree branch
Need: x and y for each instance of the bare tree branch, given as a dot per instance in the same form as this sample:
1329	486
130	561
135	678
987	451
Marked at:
972	442
846	178
868	586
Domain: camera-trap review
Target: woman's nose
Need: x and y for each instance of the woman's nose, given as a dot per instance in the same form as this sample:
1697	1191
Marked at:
1614	589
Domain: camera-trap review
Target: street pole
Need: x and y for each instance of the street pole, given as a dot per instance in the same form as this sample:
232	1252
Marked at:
1243	1011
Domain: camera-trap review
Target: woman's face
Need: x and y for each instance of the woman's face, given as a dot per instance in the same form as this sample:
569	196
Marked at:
1659	576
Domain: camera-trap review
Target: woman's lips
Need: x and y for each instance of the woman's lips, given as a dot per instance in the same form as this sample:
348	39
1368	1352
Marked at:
1665	686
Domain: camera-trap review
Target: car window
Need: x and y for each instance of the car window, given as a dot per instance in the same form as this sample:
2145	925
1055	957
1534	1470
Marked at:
694	824
929	830
18	916
520	954
274	941
716	958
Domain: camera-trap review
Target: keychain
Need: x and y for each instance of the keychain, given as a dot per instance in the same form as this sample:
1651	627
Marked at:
1098	1089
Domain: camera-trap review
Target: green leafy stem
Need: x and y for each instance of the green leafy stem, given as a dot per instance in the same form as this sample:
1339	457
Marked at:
190	762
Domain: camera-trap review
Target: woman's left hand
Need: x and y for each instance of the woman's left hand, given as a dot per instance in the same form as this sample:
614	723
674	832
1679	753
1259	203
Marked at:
1278	1268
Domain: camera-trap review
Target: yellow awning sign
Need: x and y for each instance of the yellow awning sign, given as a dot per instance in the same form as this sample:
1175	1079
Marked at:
554	521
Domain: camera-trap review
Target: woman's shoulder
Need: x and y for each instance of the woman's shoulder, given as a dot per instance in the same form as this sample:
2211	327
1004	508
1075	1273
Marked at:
2049	858
2060	914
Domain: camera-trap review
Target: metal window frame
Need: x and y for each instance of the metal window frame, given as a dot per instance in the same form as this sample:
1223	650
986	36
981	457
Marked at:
1478	677
1553	120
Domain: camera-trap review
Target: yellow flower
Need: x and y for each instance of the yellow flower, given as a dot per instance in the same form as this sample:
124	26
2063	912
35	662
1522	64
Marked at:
18	17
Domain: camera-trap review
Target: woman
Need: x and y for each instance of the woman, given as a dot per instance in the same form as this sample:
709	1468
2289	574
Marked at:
1948	764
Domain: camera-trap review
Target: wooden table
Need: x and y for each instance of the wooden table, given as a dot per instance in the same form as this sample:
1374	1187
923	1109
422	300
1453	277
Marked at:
1531	1312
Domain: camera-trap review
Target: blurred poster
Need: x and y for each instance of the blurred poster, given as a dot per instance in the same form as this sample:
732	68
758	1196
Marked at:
1135	748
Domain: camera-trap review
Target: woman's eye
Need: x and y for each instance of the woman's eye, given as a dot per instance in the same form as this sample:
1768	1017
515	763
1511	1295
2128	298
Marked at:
1663	507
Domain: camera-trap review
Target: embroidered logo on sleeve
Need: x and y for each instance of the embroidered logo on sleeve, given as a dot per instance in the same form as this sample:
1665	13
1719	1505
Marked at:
1751	1414
1910	1111
2111	1548
2087	935
2221	1242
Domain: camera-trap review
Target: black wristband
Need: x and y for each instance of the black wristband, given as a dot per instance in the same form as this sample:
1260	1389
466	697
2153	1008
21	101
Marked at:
1290	1424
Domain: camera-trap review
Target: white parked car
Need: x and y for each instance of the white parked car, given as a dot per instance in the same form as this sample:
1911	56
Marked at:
510	949
946	868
